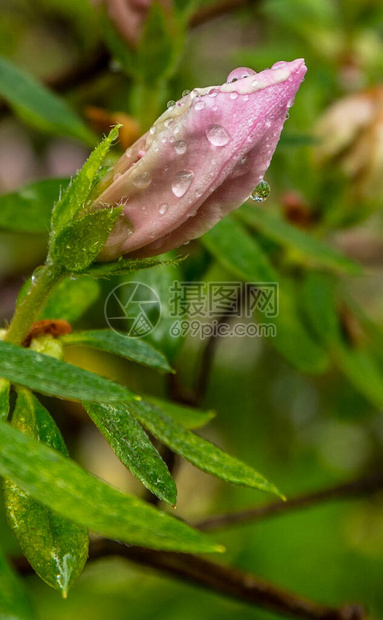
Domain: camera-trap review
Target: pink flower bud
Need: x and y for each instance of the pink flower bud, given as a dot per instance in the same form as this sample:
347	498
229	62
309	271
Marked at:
200	160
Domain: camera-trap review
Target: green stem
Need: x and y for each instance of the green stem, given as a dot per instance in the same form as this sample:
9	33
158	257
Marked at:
28	311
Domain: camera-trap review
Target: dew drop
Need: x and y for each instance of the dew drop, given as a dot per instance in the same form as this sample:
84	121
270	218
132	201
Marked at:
278	65
169	122
143	180
215	108
233	95
199	192
185	93
163	208
180	147
217	135
164	140
182	182
260	192
199	105
287	116
170	104
239	74
152	130
213	92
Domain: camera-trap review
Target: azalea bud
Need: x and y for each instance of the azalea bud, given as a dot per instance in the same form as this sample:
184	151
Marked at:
200	160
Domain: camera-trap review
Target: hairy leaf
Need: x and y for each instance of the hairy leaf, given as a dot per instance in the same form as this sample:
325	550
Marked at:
130	348
55	547
193	448
50	376
189	417
79	190
71	299
69	490
78	244
4	399
132	446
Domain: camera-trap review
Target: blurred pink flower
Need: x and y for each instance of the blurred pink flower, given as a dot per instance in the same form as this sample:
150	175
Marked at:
129	16
200	160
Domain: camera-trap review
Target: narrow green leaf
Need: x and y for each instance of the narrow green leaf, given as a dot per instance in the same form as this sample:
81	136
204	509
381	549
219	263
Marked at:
238	252
78	244
4	399
69	490
307	248
130	348
55	378
56	548
319	305
39	106
78	192
14	604
71	299
29	209
362	370
132	446
189	417
293	338
125	266
193	448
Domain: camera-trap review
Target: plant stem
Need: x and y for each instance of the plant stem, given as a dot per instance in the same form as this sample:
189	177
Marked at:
28	311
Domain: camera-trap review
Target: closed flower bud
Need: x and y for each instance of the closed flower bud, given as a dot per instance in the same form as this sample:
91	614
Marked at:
200	160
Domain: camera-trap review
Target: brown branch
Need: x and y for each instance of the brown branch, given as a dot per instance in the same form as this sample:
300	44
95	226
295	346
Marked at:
229	581
346	491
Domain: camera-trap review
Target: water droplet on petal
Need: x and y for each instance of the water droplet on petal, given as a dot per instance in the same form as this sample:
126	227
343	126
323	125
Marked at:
278	65
185	93
199	192
182	182
215	108
164	140
233	95
287	116
239	74
180	147
260	192
199	105
217	135
170	104
213	92
169	122
163	208
143	180
152	130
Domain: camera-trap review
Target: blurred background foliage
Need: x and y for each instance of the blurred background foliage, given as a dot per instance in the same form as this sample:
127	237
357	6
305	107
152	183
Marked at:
303	408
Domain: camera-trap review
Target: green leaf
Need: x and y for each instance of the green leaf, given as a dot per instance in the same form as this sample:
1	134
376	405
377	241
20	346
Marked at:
4	399
130	348
305	247
69	490
238	252
78	192
56	548
124	266
156	54
293	338
78	244
193	448
39	106
189	417
55	378
132	446
14	604
29	209
319	305
71	299
362	370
